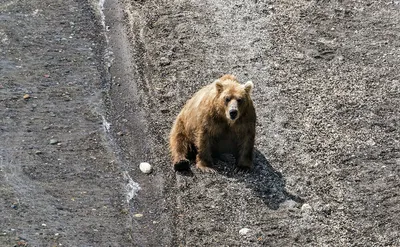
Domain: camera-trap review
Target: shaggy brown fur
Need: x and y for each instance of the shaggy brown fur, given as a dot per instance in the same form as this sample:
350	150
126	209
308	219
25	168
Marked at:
219	118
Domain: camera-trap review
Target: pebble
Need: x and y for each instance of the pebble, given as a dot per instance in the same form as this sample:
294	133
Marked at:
244	231
145	167
38	152
165	110
327	209
306	208
290	204
53	141
26	96
15	205
299	56
138	215
164	61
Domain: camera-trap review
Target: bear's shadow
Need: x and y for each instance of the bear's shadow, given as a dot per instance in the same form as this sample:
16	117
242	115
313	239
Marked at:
267	183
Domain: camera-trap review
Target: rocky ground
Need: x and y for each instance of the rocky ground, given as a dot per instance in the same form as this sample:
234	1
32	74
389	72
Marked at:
83	102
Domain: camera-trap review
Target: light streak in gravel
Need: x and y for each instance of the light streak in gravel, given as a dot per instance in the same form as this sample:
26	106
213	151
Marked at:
107	53
102	16
106	125
131	188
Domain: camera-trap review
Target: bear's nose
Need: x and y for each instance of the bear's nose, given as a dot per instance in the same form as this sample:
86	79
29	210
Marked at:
233	114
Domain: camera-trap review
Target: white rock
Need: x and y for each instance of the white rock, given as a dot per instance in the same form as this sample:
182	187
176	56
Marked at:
145	167
306	208
289	204
244	231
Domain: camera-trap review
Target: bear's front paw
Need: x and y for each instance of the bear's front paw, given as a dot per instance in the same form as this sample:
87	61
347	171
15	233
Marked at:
204	168
182	165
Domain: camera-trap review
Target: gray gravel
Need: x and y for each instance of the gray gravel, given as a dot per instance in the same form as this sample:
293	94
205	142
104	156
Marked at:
327	94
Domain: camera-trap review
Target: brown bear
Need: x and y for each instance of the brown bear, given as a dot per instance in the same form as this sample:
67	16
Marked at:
219	118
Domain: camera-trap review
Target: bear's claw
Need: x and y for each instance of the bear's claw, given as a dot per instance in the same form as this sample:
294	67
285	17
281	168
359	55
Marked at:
182	165
243	169
204	168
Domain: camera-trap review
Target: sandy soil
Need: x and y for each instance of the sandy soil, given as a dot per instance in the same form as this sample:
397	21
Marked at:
327	95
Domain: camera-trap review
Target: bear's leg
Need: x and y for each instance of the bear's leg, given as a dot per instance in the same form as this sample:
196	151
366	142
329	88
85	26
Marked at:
180	146
203	158
245	161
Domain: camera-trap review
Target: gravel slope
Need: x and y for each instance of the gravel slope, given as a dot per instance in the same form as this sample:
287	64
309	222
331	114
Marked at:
327	97
327	94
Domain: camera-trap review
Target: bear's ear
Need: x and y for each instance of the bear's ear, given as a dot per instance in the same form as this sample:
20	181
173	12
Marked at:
219	86
248	87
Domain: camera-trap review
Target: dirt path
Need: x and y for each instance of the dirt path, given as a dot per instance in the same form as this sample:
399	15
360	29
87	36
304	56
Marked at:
327	94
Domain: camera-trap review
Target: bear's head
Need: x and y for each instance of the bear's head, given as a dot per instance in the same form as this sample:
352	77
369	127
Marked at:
233	98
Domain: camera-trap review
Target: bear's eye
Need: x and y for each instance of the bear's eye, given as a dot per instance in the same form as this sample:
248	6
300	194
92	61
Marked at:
227	99
239	100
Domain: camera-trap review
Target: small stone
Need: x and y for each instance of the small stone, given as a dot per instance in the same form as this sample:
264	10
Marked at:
299	56
38	152
53	141
164	61
138	215
244	231
145	167
44	225
26	96
290	204
120	133
327	209
370	142
14	205
164	110
22	243
306	208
